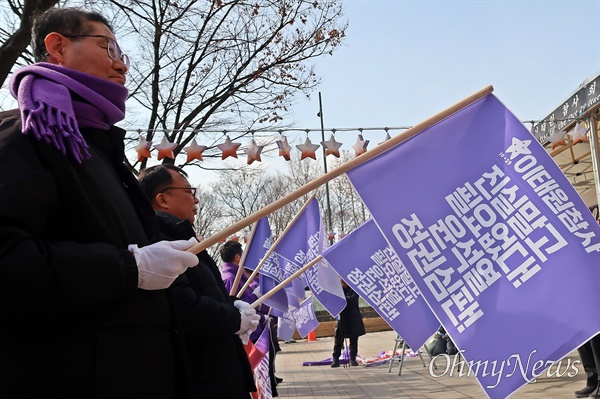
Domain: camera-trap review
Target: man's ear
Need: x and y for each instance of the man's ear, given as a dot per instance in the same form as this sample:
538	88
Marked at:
160	201
55	44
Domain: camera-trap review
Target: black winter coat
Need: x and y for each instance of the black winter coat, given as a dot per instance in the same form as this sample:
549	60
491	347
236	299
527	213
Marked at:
73	323
219	364
350	320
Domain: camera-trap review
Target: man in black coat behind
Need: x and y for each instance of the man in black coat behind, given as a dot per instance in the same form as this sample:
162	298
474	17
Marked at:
349	325
211	321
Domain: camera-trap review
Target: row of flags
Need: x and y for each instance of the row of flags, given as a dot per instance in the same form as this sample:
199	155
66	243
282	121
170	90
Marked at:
475	228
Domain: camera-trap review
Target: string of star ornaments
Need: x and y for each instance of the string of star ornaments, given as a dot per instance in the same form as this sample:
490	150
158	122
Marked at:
308	149
577	135
228	148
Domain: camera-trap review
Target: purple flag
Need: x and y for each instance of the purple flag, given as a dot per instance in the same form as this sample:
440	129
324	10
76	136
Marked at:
286	326
261	371
501	246
303	242
306	321
260	243
270	272
372	268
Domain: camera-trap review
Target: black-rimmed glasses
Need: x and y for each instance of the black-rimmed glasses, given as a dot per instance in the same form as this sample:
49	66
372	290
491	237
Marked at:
112	48
189	190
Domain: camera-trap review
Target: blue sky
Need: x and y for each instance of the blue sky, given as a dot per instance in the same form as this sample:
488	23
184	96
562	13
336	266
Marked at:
404	61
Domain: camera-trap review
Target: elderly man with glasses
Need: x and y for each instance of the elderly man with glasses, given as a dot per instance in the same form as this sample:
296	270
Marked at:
84	310
213	323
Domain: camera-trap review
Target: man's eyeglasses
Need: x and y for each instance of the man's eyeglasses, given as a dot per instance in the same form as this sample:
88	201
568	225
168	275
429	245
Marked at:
112	48
189	190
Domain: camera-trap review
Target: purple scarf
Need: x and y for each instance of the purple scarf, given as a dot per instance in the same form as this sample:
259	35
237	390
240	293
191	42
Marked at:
56	101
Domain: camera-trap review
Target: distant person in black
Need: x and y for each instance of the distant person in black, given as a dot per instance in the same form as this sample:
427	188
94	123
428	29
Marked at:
349	325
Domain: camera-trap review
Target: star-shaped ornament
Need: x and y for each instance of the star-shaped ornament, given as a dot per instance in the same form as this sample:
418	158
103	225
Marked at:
387	137
307	149
557	138
332	147
228	148
253	152
578	134
360	147
165	149
194	151
143	149
284	148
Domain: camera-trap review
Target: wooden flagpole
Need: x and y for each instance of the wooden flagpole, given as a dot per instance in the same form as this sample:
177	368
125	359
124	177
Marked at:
343	168
279	286
270	251
238	275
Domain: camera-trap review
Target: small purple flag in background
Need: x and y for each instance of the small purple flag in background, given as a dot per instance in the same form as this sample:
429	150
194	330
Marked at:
303	242
270	272
306	321
501	246
286	326
259	244
372	268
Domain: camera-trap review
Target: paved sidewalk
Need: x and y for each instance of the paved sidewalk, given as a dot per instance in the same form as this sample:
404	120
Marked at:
376	383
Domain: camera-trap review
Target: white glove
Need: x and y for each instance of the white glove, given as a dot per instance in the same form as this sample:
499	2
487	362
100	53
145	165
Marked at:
159	264
244	338
257	292
240	305
249	321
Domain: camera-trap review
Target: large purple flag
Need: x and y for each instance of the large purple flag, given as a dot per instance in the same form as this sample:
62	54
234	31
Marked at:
306	321
303	242
499	243
270	272
372	268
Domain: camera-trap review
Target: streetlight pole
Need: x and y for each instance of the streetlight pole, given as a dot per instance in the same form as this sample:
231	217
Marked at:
325	167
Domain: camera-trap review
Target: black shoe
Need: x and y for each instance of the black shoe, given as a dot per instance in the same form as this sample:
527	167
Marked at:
353	362
585	392
595	394
336	363
278	380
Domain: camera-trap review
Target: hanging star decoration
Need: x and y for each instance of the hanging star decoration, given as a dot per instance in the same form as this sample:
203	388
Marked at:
284	148
331	146
143	149
228	148
578	134
387	137
307	149
253	152
194	151
165	149
360	147
557	138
